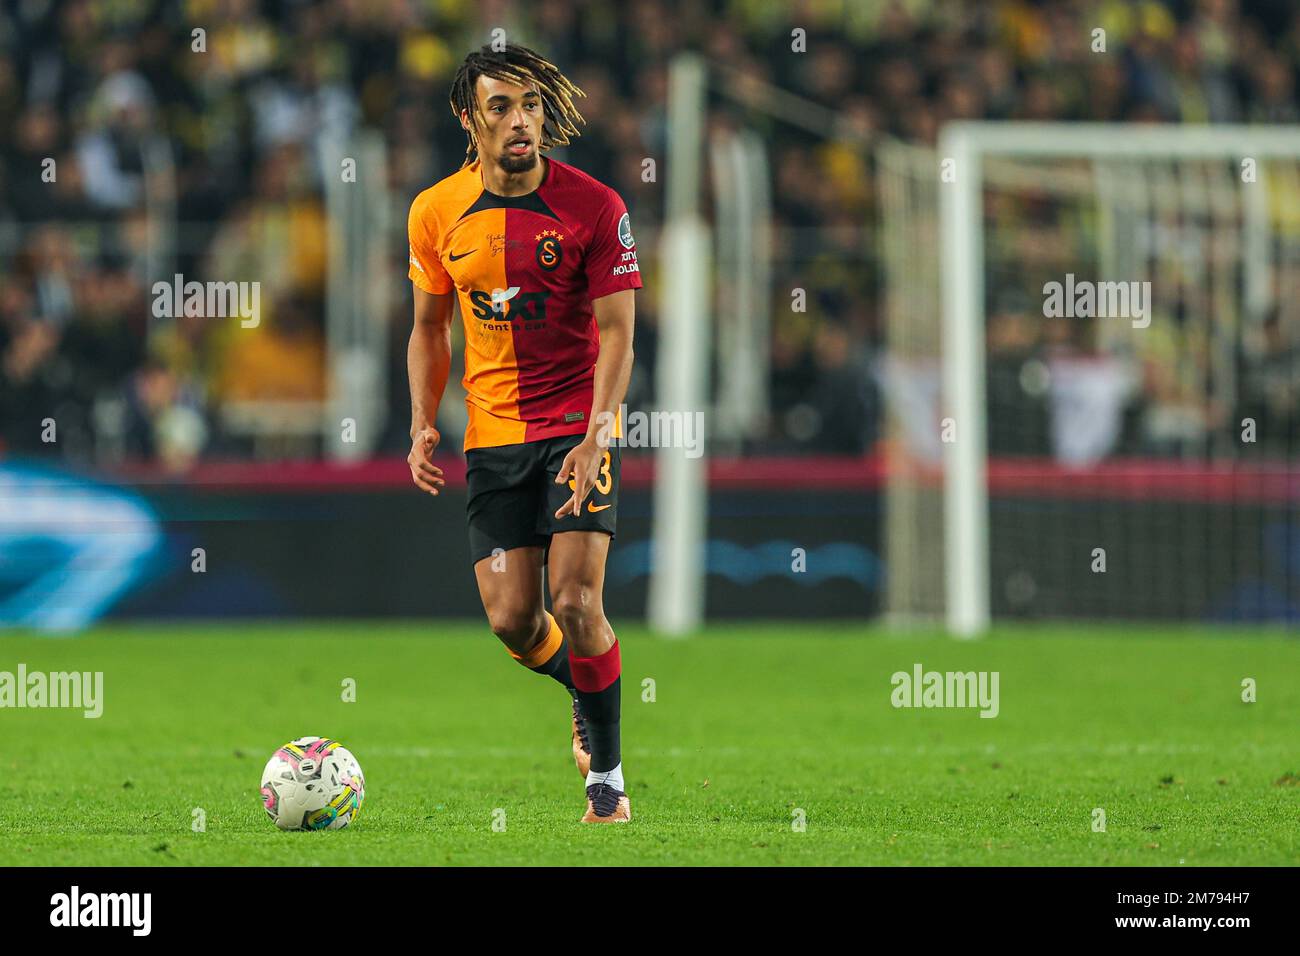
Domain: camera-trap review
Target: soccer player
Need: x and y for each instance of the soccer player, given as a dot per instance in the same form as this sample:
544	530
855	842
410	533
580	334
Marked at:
542	261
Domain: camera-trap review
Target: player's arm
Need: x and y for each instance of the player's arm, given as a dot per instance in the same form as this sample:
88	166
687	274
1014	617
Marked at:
428	363
615	316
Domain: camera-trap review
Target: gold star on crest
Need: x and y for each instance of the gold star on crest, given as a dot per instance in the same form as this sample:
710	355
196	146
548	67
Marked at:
548	232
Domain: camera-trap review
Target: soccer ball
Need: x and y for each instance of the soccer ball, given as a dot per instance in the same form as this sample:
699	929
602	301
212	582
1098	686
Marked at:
313	783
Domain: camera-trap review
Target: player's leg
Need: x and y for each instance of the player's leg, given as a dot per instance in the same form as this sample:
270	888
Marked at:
576	571
508	554
510	586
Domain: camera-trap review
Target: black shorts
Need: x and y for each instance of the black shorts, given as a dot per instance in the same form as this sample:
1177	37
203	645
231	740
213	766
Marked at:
513	496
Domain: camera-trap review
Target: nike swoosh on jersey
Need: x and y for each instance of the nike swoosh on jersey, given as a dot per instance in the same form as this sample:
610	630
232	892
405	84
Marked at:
592	507
453	256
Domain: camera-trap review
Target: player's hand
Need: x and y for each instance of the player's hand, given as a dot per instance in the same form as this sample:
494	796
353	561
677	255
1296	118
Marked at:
582	464
426	475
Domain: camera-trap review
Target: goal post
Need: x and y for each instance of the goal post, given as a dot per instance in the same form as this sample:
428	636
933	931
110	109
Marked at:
961	226
1161	179
677	565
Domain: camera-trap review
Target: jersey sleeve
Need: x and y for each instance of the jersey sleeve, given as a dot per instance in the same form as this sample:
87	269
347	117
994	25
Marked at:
426	270
611	256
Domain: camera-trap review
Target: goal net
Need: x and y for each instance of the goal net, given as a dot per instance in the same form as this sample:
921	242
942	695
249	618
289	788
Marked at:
1093	363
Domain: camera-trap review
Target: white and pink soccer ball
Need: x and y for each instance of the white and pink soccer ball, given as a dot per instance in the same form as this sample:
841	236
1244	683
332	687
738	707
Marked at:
313	783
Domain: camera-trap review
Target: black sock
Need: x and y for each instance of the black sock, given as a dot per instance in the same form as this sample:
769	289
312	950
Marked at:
550	656
598	681
601	711
558	667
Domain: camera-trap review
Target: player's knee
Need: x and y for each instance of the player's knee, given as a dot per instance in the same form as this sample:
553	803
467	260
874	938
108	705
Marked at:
577	611
517	627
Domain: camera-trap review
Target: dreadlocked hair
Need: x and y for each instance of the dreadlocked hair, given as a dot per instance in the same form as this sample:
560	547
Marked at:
518	64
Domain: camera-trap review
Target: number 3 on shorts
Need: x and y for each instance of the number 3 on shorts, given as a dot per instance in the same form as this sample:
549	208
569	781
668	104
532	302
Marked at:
604	480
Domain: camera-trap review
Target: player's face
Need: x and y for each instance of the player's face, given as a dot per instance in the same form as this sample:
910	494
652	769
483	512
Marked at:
510	124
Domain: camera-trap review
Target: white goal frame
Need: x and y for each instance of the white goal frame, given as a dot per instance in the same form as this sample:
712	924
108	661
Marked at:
965	145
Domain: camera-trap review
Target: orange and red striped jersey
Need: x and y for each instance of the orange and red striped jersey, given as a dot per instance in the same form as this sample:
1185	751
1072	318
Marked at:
526	270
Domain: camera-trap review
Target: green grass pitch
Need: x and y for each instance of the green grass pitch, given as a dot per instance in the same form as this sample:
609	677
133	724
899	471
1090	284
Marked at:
748	725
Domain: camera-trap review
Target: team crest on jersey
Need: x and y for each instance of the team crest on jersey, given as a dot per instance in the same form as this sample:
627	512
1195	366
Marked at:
549	251
625	232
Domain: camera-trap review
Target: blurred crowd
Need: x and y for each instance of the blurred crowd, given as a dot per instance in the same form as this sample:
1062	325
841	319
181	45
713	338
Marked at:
150	138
